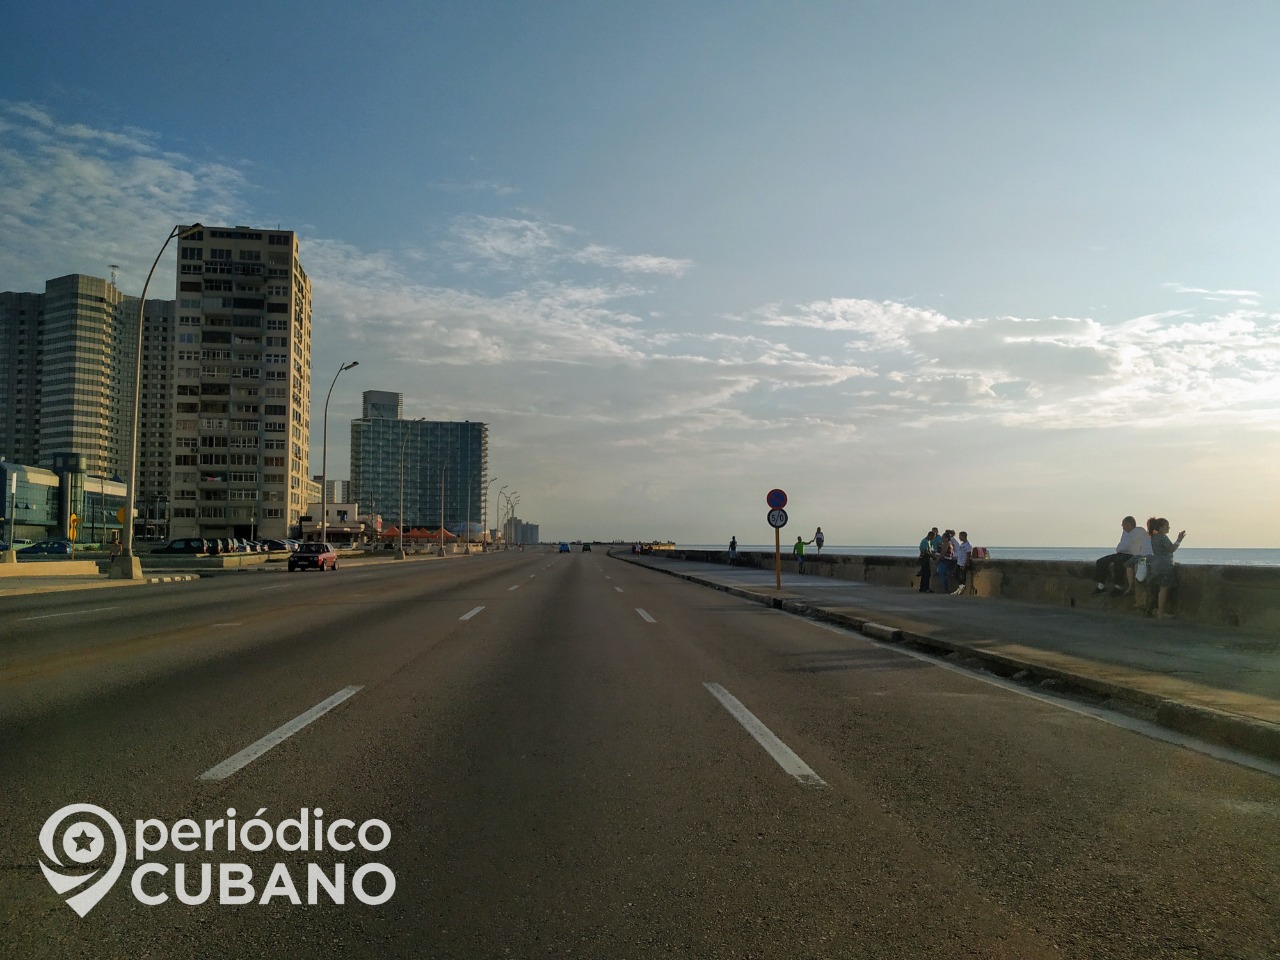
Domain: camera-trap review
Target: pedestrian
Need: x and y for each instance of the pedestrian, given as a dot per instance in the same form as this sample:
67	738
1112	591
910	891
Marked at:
1161	573
926	558
733	550
798	550
963	549
818	540
1134	542
946	560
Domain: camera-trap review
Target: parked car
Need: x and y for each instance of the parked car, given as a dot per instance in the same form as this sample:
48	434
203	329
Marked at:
190	546
50	547
314	556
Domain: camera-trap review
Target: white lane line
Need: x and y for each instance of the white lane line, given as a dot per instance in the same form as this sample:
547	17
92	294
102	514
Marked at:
619	589
470	613
252	752
278	586
74	613
781	753
645	615
516	587
238	623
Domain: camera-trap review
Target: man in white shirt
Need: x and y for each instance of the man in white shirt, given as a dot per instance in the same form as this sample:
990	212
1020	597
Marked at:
963	549
1134	542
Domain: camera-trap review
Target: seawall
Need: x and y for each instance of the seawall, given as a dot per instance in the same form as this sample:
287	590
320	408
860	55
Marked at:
1244	597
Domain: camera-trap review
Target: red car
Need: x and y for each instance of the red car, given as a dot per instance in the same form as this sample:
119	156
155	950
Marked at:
314	556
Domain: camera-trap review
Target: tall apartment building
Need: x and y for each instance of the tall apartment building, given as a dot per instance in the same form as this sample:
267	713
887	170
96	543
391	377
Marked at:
67	358
240	404
445	467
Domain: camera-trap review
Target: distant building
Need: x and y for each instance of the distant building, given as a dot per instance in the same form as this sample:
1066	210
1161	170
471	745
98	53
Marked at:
444	466
516	530
339	490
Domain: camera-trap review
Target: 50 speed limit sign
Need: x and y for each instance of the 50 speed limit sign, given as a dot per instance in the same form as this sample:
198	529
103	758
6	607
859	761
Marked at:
777	518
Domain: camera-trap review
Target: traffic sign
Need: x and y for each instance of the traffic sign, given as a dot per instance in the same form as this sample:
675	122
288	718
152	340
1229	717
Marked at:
777	518
776	499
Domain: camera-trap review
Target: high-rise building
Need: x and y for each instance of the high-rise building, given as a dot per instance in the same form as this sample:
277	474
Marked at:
440	468
240	403
21	326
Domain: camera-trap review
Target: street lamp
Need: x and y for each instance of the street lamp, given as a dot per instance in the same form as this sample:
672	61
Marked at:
126	566
484	534
324	456
407	433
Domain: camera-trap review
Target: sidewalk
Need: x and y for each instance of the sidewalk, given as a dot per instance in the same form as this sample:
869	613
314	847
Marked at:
1217	684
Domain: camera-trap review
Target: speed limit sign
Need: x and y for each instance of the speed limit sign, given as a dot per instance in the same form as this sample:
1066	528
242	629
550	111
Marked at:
777	518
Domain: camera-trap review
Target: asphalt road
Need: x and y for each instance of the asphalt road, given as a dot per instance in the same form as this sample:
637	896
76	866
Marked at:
559	748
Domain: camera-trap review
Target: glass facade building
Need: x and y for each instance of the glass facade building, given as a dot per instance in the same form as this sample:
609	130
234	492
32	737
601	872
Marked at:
441	466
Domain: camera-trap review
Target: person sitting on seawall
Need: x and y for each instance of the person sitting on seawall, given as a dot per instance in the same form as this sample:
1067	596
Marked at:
1160	575
1134	542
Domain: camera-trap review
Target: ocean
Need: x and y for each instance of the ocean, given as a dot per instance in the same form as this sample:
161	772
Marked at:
1210	556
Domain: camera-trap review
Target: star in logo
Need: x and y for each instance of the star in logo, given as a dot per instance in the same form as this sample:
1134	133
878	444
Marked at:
84	841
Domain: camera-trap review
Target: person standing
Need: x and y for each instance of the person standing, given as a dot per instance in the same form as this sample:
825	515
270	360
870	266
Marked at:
1134	542
818	540
733	550
1162	549
963	549
926	558
798	551
946	560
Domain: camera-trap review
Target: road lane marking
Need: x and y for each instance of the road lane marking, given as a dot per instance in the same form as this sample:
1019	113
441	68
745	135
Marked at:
516	587
73	613
645	615
470	613
781	753
619	589
276	737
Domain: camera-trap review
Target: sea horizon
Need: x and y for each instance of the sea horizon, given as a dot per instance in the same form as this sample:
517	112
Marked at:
1200	556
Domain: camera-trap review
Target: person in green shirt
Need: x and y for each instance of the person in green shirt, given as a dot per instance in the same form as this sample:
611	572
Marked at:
798	550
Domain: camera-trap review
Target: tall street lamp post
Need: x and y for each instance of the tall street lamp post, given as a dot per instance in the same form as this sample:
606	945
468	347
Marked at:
403	440
126	566
484	534
324	456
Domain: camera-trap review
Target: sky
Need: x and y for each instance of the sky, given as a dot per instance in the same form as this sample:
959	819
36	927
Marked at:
1002	266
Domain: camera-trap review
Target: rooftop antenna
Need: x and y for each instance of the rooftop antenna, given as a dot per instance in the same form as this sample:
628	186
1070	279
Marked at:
114	268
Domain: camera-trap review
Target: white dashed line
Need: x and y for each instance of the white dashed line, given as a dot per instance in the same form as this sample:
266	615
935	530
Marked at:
252	752
470	613
781	753
75	613
645	616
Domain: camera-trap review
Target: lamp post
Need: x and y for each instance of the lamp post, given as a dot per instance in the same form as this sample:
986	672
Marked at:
484	534
324	455
126	566
407	434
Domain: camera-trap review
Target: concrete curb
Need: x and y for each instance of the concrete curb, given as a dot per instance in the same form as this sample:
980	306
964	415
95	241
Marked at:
1237	732
178	578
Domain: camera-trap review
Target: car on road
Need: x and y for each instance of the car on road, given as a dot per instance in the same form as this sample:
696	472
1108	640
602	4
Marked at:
188	546
50	547
586	547
564	548
314	556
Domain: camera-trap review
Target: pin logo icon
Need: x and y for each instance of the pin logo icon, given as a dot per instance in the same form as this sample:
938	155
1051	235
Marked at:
83	834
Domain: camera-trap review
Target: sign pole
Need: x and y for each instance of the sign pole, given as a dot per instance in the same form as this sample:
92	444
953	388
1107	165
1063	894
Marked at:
777	556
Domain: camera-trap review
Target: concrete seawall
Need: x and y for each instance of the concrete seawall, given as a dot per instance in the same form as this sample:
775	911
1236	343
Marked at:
1244	597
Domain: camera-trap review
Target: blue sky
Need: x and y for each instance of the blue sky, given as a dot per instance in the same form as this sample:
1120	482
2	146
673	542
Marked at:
1002	266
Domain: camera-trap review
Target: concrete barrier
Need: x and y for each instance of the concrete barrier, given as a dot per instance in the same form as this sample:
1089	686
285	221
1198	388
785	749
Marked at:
1244	597
50	568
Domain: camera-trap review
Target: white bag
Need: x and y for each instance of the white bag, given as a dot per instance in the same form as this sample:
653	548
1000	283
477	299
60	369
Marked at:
1140	569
